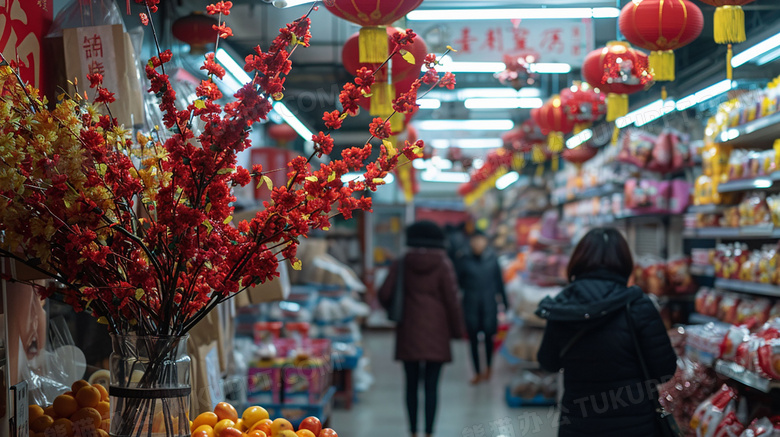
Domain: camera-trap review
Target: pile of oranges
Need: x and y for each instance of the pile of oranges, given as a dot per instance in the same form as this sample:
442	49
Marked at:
84	408
254	422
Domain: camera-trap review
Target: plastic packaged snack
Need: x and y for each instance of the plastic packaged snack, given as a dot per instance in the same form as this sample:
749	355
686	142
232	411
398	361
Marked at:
735	336
711	412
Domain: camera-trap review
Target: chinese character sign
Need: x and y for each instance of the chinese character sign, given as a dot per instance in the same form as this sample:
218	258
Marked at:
566	41
97	55
23	24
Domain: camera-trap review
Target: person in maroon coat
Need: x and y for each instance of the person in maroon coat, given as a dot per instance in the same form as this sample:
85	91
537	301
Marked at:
430	318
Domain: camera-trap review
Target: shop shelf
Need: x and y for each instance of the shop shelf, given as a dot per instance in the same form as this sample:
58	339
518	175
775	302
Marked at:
589	193
748	287
700	270
758	232
706	209
701	319
751	379
760	132
759	183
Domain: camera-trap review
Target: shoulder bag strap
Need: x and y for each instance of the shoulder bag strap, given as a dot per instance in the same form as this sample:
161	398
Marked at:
581	333
639	354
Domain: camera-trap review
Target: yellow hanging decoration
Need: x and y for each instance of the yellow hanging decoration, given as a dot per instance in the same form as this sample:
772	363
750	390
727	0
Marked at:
729	69
518	162
615	135
555	163
662	64
664	94
539	171
397	123
579	127
382	99
372	45
729	24
537	155
617	106
555	142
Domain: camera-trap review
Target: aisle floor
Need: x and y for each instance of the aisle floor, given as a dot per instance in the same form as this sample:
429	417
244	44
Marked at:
464	410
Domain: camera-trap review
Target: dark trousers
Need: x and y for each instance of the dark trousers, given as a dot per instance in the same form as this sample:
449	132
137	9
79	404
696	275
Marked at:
430	372
474	341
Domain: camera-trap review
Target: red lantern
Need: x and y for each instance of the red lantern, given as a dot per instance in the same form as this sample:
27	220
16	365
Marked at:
196	30
618	70
282	133
579	154
661	26
371	14
555	122
400	70
583	104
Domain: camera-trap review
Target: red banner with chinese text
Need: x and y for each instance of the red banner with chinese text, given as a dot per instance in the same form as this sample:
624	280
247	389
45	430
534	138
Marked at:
23	24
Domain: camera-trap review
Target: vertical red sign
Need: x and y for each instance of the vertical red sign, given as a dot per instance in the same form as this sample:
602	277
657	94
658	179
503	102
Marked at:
23	24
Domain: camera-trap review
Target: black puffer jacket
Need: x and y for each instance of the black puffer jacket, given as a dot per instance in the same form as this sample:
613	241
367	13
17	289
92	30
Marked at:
605	392
482	283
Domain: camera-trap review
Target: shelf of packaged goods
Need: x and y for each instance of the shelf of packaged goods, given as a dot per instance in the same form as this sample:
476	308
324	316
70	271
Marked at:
706	209
702	270
751	379
759	183
748	287
757	133
758	232
701	319
589	193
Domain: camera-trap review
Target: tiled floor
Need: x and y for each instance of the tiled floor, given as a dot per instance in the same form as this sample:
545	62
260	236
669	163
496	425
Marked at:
464	410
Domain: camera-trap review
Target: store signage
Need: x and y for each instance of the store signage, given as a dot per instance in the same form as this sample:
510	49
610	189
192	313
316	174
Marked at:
565	41
98	55
20	426
23	24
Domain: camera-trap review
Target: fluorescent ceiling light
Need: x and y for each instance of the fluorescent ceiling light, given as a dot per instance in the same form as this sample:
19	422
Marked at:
755	51
769	57
729	135
705	94
495	93
291	3
580	138
512	14
357	177
435	162
429	103
762	183
507	180
441	176
232	66
646	114
447	64
504	103
468	143
459	125
292	120
550	68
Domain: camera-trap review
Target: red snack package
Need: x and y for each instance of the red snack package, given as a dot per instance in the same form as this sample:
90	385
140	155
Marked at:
769	359
727	309
736	336
730	426
711	412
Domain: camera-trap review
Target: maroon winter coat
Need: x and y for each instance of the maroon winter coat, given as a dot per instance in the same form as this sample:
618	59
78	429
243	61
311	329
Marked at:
431	315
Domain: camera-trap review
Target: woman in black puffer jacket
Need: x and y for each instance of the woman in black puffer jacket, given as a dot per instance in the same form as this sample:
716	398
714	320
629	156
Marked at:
606	393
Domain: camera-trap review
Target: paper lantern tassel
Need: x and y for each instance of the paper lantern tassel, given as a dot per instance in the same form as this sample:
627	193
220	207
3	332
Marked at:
555	163
373	46
617	106
729	24
662	64
555	142
729	68
382	94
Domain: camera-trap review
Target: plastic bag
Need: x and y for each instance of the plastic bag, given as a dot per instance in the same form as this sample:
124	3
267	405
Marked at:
80	13
735	336
730	426
711	412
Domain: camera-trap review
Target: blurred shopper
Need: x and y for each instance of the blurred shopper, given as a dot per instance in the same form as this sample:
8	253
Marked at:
482	283
425	306
589	335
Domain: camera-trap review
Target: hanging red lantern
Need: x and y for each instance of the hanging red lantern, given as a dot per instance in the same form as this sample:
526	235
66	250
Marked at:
555	122
196	30
282	133
661	26
584	104
618	70
580	154
383	91
729	25
372	15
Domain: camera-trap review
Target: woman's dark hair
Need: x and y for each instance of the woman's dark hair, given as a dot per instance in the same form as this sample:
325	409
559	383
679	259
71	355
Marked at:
601	249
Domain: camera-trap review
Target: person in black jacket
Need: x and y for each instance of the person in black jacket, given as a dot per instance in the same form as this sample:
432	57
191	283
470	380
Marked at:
587	335
481	281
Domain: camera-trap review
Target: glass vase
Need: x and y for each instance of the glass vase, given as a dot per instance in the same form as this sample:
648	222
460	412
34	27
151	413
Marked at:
150	386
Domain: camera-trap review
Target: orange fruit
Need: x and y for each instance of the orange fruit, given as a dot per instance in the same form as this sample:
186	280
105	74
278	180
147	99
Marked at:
280	425
88	397
34	412
253	415
222	425
205	428
78	385
63	427
49	411
207	418
200	434
240	425
305	433
105	425
82	417
41	423
256	433
263	425
104	408
103	392
102	433
223	410
65	405
286	433
231	432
